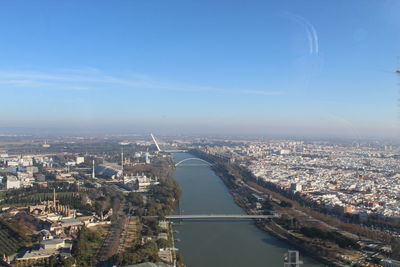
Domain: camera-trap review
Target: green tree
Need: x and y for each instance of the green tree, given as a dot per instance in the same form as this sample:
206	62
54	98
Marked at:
162	243
396	248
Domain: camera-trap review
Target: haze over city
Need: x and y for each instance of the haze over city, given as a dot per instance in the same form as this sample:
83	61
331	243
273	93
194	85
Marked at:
319	69
153	133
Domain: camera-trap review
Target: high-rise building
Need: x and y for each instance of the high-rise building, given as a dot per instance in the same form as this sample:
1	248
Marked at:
93	174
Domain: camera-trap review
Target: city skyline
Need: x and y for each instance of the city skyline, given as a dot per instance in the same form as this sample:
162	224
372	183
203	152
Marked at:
279	69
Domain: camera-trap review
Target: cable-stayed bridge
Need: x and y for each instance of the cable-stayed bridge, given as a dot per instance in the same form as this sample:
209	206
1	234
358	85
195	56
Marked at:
160	149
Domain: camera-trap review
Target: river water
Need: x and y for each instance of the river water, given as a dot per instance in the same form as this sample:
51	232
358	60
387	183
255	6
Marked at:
227	243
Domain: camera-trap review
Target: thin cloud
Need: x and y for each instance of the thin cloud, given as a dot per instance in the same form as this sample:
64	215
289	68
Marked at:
90	78
94	79
23	83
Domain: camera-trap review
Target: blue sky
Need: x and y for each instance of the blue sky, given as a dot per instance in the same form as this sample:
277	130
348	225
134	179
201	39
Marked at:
292	68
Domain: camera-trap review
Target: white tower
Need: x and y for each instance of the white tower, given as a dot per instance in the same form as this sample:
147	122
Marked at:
93	174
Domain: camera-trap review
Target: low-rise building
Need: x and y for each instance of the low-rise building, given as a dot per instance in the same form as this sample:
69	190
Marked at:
140	183
48	248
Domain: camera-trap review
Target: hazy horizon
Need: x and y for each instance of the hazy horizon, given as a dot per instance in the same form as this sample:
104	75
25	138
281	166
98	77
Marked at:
285	68
49	133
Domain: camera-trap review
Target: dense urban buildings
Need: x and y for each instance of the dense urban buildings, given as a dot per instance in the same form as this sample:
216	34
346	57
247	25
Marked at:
358	178
80	208
114	195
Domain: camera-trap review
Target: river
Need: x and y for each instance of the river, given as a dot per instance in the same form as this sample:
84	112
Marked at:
221	243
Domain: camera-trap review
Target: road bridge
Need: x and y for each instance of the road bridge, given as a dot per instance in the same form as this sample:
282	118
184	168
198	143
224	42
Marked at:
219	216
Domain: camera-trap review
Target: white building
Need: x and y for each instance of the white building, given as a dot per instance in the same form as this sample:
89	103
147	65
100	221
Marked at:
13	182
80	160
295	187
140	183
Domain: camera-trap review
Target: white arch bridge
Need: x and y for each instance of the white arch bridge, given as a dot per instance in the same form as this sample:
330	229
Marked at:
202	160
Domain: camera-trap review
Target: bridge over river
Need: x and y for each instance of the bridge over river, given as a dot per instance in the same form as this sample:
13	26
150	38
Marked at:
192	159
219	216
215	231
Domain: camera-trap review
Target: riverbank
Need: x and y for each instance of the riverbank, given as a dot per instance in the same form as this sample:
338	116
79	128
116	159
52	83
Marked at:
154	241
322	250
270	226
222	243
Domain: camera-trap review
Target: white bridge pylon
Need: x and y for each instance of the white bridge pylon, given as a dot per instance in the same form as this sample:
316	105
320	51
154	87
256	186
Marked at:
155	142
202	160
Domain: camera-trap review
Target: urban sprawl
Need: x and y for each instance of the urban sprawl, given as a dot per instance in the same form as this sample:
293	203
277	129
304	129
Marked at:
355	178
85	201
